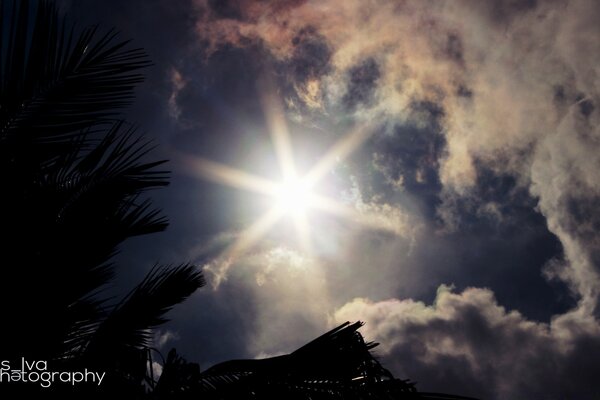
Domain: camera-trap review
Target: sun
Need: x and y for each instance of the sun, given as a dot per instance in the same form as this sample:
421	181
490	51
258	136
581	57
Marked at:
293	196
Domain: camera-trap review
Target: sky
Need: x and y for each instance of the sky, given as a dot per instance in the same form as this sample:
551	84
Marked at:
430	168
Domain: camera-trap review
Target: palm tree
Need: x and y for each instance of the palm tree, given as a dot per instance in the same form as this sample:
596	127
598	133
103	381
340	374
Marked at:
74	176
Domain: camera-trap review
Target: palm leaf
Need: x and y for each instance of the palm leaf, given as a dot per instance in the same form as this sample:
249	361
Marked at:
120	343
129	324
53	84
73	177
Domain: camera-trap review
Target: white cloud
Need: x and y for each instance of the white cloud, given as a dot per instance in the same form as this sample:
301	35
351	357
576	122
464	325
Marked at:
469	344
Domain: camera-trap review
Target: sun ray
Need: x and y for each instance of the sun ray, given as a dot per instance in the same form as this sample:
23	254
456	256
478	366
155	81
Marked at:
253	233
279	134
229	176
339	151
367	219
303	231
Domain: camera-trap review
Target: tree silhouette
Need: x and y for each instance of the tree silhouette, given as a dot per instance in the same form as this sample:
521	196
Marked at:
73	178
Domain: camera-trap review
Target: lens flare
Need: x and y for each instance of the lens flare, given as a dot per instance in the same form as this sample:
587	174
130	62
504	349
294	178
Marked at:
294	195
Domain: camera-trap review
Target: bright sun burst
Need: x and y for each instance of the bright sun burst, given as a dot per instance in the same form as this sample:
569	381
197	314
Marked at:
294	195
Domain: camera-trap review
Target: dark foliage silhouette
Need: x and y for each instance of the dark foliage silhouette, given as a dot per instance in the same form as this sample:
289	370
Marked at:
73	178
336	365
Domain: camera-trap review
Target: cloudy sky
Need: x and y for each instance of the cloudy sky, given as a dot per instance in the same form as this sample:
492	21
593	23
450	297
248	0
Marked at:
430	168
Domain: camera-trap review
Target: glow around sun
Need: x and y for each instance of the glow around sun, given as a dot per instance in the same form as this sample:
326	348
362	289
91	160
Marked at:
294	195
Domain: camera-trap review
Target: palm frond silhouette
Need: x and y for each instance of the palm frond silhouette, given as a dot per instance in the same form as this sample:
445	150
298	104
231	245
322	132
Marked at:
337	365
74	177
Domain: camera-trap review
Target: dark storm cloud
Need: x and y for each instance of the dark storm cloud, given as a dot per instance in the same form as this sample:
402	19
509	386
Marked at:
248	9
409	155
361	83
505	10
310	56
226	9
454	48
209	96
301	73
505	257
